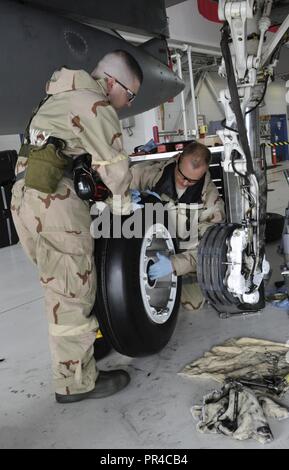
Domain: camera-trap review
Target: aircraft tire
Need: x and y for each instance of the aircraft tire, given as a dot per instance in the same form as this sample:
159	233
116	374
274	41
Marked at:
131	309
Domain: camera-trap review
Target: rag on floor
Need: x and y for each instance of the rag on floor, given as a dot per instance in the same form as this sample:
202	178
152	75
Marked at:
240	357
237	410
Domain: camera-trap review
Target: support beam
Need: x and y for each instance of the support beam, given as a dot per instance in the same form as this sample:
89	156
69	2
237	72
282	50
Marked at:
200	83
213	92
193	99
183	105
275	41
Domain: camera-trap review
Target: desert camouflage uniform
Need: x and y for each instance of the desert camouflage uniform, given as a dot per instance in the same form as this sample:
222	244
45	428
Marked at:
209	211
54	229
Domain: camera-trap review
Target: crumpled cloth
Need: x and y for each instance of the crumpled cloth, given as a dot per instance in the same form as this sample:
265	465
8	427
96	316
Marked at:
240	357
238	412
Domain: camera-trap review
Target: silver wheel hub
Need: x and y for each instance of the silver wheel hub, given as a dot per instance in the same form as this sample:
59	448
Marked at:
158	296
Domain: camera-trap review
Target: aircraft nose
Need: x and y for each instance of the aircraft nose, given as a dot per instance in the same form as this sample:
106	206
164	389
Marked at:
159	85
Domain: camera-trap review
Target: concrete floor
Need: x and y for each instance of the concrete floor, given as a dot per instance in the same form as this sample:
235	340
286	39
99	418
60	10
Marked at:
154	411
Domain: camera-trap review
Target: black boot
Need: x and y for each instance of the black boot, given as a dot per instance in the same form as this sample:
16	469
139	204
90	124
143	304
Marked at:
107	383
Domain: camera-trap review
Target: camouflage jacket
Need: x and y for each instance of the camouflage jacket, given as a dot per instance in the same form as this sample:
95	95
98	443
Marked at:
192	219
79	112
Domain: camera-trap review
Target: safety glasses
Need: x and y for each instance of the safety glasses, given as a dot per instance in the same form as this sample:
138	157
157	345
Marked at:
189	180
130	94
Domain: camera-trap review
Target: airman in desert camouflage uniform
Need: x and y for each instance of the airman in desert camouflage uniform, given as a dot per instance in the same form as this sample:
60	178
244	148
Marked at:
54	228
184	183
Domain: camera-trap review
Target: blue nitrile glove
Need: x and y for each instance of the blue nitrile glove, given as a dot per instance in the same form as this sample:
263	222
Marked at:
135	195
136	206
135	199
161	268
148	191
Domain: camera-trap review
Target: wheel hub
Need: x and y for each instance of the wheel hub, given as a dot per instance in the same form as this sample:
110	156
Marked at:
159	295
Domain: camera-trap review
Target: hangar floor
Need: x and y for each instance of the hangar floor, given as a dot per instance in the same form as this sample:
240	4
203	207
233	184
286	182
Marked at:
154	411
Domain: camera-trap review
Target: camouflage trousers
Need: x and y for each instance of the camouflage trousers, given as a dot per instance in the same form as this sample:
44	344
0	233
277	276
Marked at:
54	232
192	297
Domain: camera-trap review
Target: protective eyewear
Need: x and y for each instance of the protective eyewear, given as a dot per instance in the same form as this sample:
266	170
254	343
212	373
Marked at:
189	180
130	94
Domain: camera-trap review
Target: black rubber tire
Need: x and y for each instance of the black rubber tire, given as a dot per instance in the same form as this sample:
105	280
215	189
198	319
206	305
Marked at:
119	305
274	227
211	271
